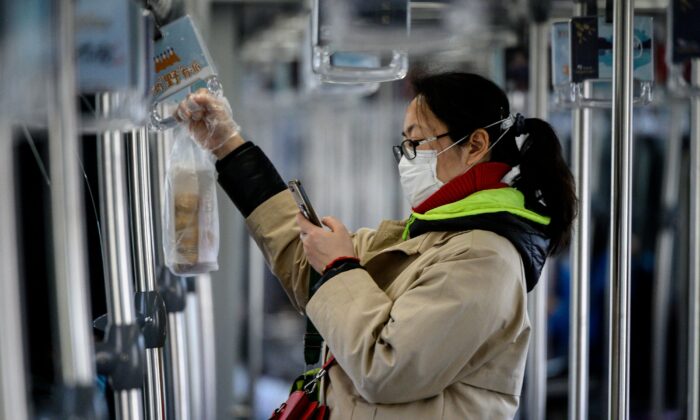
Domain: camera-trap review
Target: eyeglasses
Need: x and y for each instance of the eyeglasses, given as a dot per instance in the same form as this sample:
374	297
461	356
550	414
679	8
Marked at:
408	146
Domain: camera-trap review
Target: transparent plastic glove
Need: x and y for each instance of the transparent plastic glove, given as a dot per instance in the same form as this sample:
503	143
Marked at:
209	119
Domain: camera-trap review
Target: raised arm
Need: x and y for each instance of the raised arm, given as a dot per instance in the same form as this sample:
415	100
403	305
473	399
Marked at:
254	186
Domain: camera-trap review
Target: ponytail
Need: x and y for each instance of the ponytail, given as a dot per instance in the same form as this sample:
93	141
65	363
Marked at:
546	181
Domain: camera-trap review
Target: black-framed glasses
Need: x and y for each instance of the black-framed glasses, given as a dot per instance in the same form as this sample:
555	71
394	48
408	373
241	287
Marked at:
408	146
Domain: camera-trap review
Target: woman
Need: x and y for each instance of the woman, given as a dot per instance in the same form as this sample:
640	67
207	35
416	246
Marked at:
426	317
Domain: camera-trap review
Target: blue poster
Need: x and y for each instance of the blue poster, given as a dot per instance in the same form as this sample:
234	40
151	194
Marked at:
591	56
180	59
106	54
561	69
642	53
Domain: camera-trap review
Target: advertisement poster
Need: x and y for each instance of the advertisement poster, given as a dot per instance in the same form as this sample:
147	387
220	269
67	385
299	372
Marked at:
561	68
180	59
103	47
584	48
592	49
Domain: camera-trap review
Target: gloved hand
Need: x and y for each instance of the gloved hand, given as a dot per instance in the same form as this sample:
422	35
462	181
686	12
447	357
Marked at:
210	122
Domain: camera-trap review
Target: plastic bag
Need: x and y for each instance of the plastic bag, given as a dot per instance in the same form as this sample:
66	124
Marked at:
190	215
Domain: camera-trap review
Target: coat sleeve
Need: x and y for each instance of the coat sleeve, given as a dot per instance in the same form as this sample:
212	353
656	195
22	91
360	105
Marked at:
253	184
416	346
273	227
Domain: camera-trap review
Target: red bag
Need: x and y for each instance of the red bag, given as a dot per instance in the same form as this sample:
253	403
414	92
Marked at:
301	405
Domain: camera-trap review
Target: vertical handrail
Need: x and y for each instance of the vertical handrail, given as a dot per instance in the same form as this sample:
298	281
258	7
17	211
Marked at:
536	375
177	346
580	263
621	210
693	407
195	348
143	240
67	213
178	403
77	370
205	299
13	381
256	318
664	267
202	355
114	224
118	277
144	264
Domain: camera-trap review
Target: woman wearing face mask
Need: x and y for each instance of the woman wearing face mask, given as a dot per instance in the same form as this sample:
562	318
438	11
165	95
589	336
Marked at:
426	317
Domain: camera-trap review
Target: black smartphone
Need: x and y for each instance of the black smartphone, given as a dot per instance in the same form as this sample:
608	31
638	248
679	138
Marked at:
303	202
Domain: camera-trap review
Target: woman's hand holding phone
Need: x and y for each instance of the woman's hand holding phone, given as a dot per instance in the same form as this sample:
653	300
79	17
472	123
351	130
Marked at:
322	246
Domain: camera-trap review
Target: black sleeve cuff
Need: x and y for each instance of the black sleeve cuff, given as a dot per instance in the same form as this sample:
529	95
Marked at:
248	177
334	271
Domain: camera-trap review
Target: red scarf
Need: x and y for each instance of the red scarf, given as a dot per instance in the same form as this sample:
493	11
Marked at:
483	176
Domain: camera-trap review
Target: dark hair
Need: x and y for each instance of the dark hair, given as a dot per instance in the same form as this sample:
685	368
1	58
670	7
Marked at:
466	102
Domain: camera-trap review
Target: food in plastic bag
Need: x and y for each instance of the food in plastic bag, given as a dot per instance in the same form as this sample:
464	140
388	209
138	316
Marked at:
190	215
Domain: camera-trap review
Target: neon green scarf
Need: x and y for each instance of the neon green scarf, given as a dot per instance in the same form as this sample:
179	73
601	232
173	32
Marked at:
481	202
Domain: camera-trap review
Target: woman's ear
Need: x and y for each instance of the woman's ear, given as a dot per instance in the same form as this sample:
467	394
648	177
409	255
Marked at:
477	147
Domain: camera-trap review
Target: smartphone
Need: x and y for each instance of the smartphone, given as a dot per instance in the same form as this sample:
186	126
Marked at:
303	202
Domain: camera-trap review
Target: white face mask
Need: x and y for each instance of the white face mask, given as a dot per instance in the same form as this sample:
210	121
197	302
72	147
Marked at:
419	175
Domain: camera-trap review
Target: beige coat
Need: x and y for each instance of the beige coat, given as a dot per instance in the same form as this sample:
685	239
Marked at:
436	327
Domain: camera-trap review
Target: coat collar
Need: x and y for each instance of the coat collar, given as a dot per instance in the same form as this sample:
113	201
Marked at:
501	211
498	200
388	238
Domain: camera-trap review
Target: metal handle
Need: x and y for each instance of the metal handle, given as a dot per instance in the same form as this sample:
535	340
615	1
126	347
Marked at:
322	65
573	96
678	86
396	69
161	123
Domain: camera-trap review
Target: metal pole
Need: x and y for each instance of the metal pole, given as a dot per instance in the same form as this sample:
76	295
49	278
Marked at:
202	362
205	299
160	145
114	224
665	245
621	210
536	375
256	319
177	345
580	264
13	382
155	384
195	348
144	261
143	240
67	215
694	286
115	233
